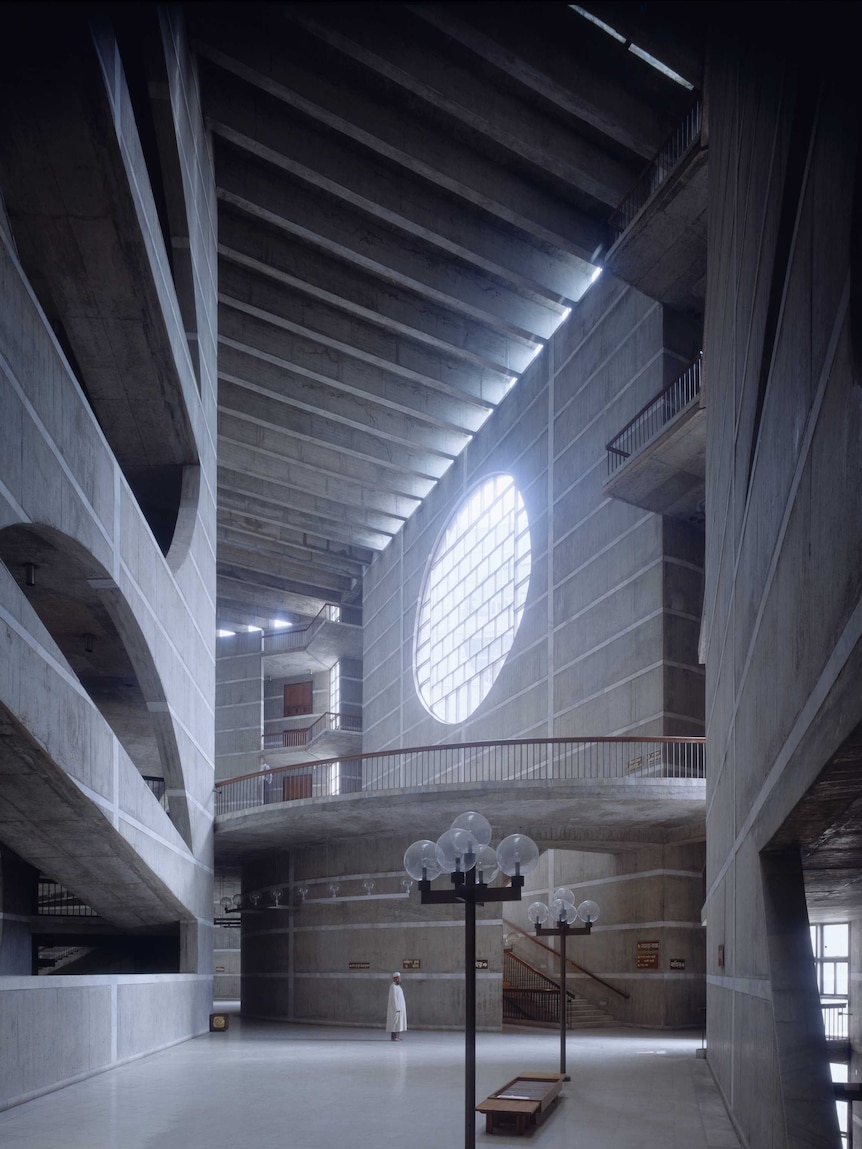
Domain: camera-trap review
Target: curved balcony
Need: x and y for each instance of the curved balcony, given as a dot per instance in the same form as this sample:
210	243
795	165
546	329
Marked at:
607	793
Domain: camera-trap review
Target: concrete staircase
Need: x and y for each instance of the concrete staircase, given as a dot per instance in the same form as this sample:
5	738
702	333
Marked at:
530	997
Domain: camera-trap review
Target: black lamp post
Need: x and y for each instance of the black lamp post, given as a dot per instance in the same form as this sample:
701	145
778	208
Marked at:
564	912
464	853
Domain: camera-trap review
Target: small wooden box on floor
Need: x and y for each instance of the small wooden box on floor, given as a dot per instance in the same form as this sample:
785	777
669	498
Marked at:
525	1099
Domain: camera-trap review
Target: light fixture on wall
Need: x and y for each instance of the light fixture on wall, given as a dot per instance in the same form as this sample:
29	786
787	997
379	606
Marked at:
563	911
368	885
89	642
30	574
464	852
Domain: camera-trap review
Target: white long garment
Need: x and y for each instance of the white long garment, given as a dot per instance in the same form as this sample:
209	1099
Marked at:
396	1010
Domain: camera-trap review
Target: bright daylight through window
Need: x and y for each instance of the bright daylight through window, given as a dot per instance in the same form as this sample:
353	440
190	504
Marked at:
473	600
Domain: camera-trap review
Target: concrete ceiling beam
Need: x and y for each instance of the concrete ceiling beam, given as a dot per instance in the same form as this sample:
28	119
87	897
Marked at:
265	446
583	72
284	482
259	190
265	566
336	555
374	121
357	177
237	599
300	267
233	539
313	518
332	328
324	504
317	427
433	421
307	477
394	50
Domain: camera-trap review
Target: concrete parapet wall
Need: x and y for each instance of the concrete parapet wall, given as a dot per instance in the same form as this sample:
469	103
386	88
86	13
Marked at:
57	1030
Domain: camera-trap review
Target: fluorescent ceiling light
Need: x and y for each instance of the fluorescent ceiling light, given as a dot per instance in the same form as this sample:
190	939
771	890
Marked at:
595	275
280	624
253	629
224	633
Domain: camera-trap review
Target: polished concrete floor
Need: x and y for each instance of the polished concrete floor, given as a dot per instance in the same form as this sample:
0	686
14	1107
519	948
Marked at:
268	1084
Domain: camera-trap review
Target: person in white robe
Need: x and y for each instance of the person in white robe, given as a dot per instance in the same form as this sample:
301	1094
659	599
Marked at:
396	1009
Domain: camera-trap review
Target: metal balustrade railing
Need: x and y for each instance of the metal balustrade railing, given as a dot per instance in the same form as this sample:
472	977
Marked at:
529	995
55	901
659	168
641	760
305	735
299	637
655	415
835	1012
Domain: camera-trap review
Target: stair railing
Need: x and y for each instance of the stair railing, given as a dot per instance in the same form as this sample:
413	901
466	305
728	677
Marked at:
573	964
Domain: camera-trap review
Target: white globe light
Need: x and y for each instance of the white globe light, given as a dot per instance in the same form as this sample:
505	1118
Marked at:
486	864
538	913
588	911
564	894
456	850
420	860
563	911
475	824
518	854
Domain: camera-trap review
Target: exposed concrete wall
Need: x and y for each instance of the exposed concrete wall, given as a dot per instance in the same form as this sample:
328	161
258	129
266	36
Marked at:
649	895
92	823
239	705
782	624
54	1031
297	964
614	598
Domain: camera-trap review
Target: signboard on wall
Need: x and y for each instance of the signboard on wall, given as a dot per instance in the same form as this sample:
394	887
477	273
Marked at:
647	955
481	963
677	963
359	965
411	963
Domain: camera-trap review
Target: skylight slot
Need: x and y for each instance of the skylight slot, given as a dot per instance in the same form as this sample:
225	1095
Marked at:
633	48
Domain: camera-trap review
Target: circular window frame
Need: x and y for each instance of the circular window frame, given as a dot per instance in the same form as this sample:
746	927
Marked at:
448	707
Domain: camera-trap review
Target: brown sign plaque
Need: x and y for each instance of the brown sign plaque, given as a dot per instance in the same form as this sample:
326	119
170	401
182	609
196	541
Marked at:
677	963
647	955
411	963
481	963
359	965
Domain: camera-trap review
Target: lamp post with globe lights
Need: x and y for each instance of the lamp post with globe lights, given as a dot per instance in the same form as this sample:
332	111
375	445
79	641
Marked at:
563	911
464	852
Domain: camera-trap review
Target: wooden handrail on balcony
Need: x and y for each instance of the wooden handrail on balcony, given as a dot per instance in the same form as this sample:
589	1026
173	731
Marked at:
304	735
573	964
654	415
642	760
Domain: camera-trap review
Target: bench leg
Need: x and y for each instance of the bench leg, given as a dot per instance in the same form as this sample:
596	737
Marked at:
489	1122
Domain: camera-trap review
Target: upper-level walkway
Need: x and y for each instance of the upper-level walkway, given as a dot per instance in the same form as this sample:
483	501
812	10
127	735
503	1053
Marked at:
604	793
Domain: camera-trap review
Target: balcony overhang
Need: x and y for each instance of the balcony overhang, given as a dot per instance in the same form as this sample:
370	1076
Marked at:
668	474
662	252
608	814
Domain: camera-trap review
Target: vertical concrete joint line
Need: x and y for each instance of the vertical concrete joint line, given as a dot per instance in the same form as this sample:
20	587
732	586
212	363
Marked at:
550	359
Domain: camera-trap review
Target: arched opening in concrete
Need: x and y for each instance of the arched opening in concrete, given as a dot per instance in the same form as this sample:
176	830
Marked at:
89	619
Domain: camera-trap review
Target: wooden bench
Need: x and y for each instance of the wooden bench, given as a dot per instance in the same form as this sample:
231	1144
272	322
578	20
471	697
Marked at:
525	1099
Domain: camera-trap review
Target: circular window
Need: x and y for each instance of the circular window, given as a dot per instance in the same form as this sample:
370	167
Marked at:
472	600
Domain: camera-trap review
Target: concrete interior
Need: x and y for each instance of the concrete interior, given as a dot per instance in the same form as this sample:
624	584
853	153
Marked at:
281	286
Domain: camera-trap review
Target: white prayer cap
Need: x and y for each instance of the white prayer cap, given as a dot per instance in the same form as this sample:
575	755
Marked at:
396	974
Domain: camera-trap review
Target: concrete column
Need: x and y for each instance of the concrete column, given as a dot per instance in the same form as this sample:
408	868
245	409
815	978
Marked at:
803	1064
18	884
